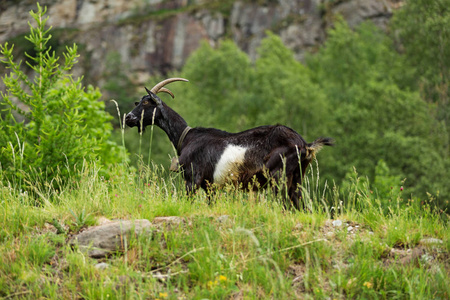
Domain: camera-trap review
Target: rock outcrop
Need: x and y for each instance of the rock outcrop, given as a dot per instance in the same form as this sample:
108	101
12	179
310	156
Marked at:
157	36
99	241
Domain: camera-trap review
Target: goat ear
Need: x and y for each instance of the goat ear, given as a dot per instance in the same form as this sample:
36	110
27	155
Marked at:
154	97
136	103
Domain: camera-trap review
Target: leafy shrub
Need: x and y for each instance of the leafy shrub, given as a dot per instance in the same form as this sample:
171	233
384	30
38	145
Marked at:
351	89
423	29
375	117
229	92
219	82
50	123
356	88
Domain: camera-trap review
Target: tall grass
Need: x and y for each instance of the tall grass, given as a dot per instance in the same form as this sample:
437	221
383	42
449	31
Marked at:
242	245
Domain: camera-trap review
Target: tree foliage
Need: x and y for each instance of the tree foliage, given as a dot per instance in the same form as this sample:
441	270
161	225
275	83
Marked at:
228	91
356	89
422	30
218	80
50	123
375	117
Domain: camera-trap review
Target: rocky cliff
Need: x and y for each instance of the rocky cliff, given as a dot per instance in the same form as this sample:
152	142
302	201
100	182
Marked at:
156	36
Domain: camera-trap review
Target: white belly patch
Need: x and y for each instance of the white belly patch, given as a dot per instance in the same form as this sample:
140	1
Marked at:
227	168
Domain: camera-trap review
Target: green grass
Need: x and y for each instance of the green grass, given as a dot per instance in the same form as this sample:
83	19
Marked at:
259	251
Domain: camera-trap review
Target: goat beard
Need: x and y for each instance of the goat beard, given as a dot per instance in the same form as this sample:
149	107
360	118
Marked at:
139	126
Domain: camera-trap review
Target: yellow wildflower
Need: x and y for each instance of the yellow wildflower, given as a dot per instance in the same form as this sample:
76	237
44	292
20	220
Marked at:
368	285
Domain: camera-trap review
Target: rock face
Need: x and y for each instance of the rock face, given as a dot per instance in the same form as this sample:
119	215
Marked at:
156	36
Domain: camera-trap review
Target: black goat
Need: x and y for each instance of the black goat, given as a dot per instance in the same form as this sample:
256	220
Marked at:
211	156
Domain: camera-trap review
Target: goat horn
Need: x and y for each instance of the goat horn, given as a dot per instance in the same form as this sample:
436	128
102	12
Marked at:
158	88
164	90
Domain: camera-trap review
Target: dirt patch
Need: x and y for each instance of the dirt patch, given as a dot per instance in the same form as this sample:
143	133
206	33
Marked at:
425	255
331	227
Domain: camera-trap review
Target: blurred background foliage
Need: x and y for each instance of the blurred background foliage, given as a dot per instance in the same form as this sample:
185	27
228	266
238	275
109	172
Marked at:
383	96
385	107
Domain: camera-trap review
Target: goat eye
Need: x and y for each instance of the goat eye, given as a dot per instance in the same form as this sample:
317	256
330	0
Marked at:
136	103
145	102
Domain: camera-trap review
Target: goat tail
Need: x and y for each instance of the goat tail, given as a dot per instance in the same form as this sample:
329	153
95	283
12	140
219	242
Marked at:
313	148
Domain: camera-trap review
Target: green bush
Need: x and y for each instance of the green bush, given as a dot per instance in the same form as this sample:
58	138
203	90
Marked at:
228	91
375	116
357	88
351	90
50	124
422	28
219	83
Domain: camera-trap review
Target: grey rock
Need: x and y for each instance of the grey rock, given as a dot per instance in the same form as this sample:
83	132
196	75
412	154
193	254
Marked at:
427	258
430	241
337	223
357	11
159	45
330	234
168	222
99	241
102	266
213	23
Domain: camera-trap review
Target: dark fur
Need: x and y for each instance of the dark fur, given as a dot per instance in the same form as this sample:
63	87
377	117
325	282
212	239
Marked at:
272	149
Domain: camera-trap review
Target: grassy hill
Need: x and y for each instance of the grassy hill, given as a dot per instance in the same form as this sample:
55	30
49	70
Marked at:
244	246
60	176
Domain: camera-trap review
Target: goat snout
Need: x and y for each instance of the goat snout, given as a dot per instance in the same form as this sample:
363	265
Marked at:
131	120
